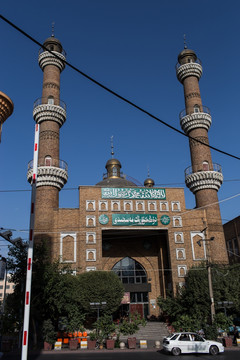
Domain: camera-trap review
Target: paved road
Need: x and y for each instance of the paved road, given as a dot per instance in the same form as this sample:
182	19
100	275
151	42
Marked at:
229	354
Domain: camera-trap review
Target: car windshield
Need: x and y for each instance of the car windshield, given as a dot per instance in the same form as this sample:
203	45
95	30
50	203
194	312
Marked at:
174	337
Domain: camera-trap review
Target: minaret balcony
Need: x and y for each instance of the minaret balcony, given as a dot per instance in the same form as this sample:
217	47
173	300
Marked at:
48	58
193	68
211	178
51	172
198	118
49	109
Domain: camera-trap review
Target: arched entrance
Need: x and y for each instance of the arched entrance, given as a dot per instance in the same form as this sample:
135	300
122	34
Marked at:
134	277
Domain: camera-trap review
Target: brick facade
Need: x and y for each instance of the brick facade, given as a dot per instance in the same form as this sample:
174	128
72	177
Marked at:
167	242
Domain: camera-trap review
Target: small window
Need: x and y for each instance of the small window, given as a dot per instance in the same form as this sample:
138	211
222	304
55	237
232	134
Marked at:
114	171
196	108
178	237
48	161
51	100
91	238
90	205
91	255
152	206
90	221
164	206
205	166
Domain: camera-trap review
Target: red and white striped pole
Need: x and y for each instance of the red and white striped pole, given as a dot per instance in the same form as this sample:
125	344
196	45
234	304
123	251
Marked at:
30	248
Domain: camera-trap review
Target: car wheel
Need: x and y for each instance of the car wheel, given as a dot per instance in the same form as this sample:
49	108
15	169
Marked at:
213	350
176	351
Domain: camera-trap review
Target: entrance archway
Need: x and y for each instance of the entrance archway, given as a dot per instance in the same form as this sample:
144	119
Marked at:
134	277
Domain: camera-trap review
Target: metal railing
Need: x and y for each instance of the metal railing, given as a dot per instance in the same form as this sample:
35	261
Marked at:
105	175
202	109
41	50
202	167
47	101
198	61
50	162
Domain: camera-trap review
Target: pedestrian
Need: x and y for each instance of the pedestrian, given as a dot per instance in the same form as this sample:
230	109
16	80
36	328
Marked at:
235	334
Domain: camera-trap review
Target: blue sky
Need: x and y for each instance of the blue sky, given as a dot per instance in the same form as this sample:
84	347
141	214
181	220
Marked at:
131	46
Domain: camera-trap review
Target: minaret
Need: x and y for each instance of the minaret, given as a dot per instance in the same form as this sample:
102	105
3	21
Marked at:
204	177
50	112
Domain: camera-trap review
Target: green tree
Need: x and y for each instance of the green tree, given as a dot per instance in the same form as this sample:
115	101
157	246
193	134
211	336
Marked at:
52	294
99	286
190	308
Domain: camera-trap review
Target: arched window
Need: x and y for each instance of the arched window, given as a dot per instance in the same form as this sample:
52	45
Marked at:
205	165
48	161
114	171
130	271
51	100
196	108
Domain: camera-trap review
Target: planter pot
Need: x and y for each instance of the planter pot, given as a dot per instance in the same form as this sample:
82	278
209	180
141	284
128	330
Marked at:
132	343
110	344
73	344
91	344
47	346
227	342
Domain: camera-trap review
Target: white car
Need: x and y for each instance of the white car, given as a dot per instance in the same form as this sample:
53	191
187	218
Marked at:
188	342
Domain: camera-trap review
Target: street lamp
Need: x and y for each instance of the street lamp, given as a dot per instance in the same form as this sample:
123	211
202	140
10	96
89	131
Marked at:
224	305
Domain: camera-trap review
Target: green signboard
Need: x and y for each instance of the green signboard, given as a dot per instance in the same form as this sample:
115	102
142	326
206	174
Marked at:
134	193
134	220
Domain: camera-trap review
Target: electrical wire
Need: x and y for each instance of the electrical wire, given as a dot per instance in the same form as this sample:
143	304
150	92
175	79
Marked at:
115	93
77	188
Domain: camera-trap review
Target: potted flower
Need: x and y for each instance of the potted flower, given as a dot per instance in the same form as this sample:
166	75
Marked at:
92	340
74	325
49	334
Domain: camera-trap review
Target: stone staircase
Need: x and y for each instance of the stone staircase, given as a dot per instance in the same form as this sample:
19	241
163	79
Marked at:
154	330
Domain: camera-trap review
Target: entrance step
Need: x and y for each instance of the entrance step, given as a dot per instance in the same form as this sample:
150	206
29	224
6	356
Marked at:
154	330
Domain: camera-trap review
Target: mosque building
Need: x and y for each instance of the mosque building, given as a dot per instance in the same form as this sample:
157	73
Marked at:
144	234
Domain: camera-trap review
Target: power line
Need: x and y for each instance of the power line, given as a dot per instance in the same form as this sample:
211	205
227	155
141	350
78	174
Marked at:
115	93
77	188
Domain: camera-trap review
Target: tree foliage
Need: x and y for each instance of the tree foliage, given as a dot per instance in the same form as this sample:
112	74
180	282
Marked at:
99	286
56	296
190	308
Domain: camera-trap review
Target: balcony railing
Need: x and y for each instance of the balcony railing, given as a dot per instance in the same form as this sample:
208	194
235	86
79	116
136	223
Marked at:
198	61
63	52
50	162
214	167
202	109
105	175
49	101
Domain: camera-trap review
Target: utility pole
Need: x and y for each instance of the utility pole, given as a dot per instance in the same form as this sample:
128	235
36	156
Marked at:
208	263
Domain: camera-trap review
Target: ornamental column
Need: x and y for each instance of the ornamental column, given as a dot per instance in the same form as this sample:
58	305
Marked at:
204	177
50	112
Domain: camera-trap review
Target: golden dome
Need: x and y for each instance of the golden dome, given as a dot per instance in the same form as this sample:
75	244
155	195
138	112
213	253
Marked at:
113	162
149	182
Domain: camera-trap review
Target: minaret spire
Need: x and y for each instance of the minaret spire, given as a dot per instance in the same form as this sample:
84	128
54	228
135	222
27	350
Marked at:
53	23
112	149
184	41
